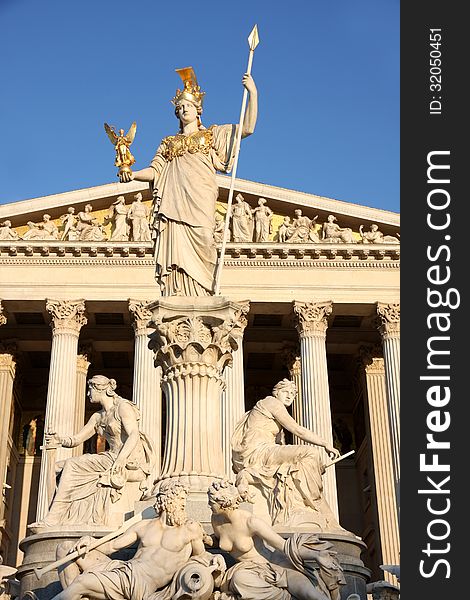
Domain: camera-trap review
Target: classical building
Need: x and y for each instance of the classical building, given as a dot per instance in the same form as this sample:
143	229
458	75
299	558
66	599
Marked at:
320	281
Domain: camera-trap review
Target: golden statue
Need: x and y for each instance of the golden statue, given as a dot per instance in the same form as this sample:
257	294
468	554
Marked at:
121	143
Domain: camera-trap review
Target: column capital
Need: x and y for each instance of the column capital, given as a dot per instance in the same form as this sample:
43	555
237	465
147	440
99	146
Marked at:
84	357
312	317
240	318
202	338
3	318
8	356
388	319
141	315
371	359
290	355
67	316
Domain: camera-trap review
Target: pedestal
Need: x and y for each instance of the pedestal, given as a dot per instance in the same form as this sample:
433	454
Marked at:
193	342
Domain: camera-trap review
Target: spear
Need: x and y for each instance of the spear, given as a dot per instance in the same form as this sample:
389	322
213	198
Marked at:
253	41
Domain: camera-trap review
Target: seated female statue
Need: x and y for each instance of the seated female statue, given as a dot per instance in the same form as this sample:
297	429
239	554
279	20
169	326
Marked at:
89	483
289	476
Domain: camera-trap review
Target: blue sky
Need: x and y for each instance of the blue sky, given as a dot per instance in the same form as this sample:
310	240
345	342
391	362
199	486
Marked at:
327	74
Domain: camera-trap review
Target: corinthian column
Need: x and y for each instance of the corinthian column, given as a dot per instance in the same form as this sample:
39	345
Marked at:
193	342
83	363
233	397
147	392
67	318
7	378
382	458
291	358
312	323
389	328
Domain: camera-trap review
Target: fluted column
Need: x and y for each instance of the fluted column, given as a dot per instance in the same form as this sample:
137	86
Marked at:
233	397
193	343
67	318
291	358
7	378
83	363
374	370
389	328
312	323
147	392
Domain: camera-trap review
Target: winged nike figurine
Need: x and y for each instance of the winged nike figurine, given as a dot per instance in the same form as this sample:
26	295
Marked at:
121	143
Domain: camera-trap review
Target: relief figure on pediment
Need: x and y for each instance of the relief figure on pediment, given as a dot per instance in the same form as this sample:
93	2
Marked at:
182	176
375	236
6	232
263	216
301	230
139	217
242	220
334	234
45	230
117	214
88	227
90	483
69	221
288	475
219	229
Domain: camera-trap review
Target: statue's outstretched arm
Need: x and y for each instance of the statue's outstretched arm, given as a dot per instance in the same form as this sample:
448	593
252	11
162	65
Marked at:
251	113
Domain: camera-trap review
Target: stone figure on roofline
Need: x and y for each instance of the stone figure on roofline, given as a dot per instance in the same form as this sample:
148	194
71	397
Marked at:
288	476
182	177
89	484
269	567
170	561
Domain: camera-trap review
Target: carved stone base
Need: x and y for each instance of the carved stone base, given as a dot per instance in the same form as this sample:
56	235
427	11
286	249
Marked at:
39	551
349	554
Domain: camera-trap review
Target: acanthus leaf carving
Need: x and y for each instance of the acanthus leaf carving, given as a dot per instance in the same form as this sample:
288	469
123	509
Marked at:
67	315
388	315
312	317
141	315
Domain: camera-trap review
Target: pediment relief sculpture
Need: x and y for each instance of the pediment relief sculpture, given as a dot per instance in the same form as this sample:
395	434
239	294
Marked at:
7	233
44	230
332	233
375	236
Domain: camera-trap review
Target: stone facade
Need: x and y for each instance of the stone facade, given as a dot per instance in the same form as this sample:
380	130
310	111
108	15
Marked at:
311	310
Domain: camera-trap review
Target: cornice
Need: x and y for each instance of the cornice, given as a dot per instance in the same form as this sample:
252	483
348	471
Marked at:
244	255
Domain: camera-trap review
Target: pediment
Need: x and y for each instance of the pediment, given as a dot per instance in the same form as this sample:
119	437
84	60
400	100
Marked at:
283	202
